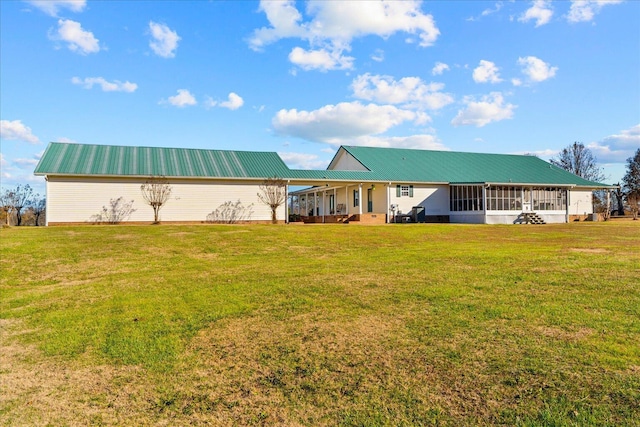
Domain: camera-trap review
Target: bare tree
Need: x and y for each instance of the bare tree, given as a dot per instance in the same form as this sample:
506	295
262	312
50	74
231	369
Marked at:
156	192
118	211
634	204
631	181
273	193
619	196
38	207
230	213
579	160
14	201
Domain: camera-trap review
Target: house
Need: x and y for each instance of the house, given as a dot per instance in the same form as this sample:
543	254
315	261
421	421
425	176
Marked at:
361	184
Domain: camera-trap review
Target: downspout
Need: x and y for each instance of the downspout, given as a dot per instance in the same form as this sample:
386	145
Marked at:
389	203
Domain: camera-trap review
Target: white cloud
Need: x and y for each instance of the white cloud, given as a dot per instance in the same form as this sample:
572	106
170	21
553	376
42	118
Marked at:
486	72
284	19
77	39
413	92
439	68
516	82
164	41
233	103
491	108
303	160
335	124
16	130
332	25
184	98
25	163
536	69
540	10
487	12
586	10
51	7
617	148
321	59
378	55
115	86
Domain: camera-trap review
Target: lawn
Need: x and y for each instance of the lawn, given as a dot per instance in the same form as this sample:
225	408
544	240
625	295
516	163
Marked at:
321	325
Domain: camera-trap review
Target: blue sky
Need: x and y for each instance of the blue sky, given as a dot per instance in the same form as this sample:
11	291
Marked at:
302	78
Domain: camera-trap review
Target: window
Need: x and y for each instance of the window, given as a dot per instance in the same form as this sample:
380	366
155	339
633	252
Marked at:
404	190
512	198
549	199
465	198
356	198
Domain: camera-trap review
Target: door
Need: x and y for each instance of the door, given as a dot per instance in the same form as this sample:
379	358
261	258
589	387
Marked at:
369	200
526	200
332	204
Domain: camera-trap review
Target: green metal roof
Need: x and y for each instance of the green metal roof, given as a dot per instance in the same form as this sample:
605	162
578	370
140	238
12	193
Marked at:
406	165
384	164
109	160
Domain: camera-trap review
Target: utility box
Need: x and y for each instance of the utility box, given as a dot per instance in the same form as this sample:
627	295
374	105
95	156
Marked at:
418	214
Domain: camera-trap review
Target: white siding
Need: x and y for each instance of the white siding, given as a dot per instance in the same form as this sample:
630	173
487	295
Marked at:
346	162
434	199
78	200
467	217
580	202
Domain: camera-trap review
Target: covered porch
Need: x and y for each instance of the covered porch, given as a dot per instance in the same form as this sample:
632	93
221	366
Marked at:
364	203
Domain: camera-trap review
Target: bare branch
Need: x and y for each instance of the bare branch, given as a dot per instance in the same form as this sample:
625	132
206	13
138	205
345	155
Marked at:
156	192
273	193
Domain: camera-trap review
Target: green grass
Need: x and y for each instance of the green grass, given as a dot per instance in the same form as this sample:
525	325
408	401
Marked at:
321	325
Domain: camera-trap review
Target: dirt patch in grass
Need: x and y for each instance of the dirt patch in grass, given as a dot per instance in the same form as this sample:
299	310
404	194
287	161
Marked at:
589	250
561	334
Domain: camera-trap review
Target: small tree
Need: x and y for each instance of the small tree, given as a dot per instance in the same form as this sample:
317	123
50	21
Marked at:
156	192
14	201
273	193
118	211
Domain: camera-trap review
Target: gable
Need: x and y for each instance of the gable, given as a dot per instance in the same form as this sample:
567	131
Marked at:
343	160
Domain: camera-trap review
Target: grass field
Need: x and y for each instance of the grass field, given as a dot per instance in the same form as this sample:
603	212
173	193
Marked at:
321	325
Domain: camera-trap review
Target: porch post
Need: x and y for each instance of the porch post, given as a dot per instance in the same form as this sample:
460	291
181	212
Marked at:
324	194
335	201
360	199
388	204
346	199
484	200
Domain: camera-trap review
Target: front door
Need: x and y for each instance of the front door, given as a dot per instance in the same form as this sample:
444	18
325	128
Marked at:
526	200
369	200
